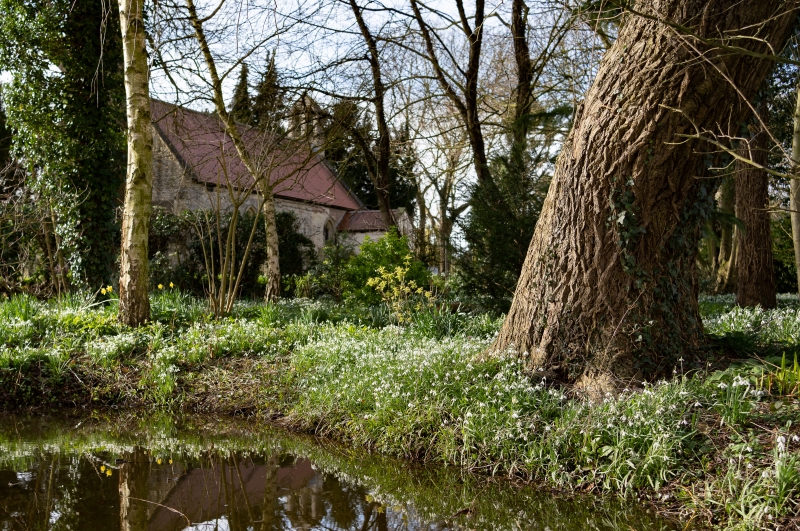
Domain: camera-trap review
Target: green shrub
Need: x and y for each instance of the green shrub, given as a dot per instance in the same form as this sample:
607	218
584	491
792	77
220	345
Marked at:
389	253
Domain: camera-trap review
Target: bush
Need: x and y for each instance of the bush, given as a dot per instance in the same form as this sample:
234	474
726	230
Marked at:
389	253
176	252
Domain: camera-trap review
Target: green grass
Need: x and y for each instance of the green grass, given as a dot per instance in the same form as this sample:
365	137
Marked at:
722	445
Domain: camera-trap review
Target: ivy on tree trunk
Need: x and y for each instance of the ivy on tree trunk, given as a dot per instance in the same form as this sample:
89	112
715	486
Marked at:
608	292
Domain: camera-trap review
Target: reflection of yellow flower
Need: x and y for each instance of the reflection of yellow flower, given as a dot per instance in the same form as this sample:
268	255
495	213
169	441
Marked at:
161	286
170	461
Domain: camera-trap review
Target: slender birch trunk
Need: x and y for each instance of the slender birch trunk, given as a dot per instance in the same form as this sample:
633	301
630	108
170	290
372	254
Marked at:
273	289
134	302
794	190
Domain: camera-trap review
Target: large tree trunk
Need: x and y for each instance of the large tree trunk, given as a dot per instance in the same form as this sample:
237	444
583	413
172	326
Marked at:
608	293
134	302
794	189
755	277
729	239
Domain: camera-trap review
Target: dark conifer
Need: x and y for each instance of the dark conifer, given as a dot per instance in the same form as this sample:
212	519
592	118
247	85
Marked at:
241	107
268	103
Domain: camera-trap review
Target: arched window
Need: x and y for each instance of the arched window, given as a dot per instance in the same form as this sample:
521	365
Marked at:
328	232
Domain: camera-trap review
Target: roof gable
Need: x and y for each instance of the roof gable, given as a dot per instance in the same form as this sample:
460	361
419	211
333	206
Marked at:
199	142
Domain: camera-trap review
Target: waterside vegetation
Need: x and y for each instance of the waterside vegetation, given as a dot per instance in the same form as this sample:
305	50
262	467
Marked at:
717	443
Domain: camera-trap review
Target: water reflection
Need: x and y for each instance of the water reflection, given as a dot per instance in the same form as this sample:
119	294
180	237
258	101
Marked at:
88	479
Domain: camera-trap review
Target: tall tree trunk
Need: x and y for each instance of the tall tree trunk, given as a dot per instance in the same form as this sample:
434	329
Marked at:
380	164
728	242
273	289
445	231
755	282
467	103
608	292
794	189
134	302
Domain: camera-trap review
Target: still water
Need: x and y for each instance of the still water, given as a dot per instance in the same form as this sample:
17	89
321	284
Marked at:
131	473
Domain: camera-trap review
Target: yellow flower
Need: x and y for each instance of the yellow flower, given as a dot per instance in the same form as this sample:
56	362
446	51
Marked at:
171	285
109	289
108	472
170	461
158	460
103	291
161	286
102	468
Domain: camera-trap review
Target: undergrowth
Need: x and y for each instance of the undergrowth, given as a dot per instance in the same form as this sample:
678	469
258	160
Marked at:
720	444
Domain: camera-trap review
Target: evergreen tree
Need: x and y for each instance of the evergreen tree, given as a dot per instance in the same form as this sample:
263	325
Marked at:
498	227
268	104
241	107
347	159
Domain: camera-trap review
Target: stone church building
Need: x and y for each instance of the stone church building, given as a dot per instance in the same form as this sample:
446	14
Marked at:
195	166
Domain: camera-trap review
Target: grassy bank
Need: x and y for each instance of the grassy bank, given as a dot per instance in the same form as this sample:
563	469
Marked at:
719	442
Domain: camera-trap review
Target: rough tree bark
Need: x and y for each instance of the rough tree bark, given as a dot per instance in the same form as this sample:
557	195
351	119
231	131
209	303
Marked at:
755	282
794	189
608	293
729	239
134	302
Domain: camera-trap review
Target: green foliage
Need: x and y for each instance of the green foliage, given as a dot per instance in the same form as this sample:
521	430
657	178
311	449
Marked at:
241	107
328	276
388	252
269	106
65	104
401	295
497	230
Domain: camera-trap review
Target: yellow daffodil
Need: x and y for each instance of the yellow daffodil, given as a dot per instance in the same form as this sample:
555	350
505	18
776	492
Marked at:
171	285
161	286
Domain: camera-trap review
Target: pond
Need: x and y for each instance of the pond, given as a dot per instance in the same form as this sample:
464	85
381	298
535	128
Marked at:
162	473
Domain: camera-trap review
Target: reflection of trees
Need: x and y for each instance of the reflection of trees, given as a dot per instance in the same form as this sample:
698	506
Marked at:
133	476
305	507
270	520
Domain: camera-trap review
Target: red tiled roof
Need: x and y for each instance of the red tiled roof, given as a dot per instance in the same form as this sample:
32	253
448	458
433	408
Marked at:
363	221
202	147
